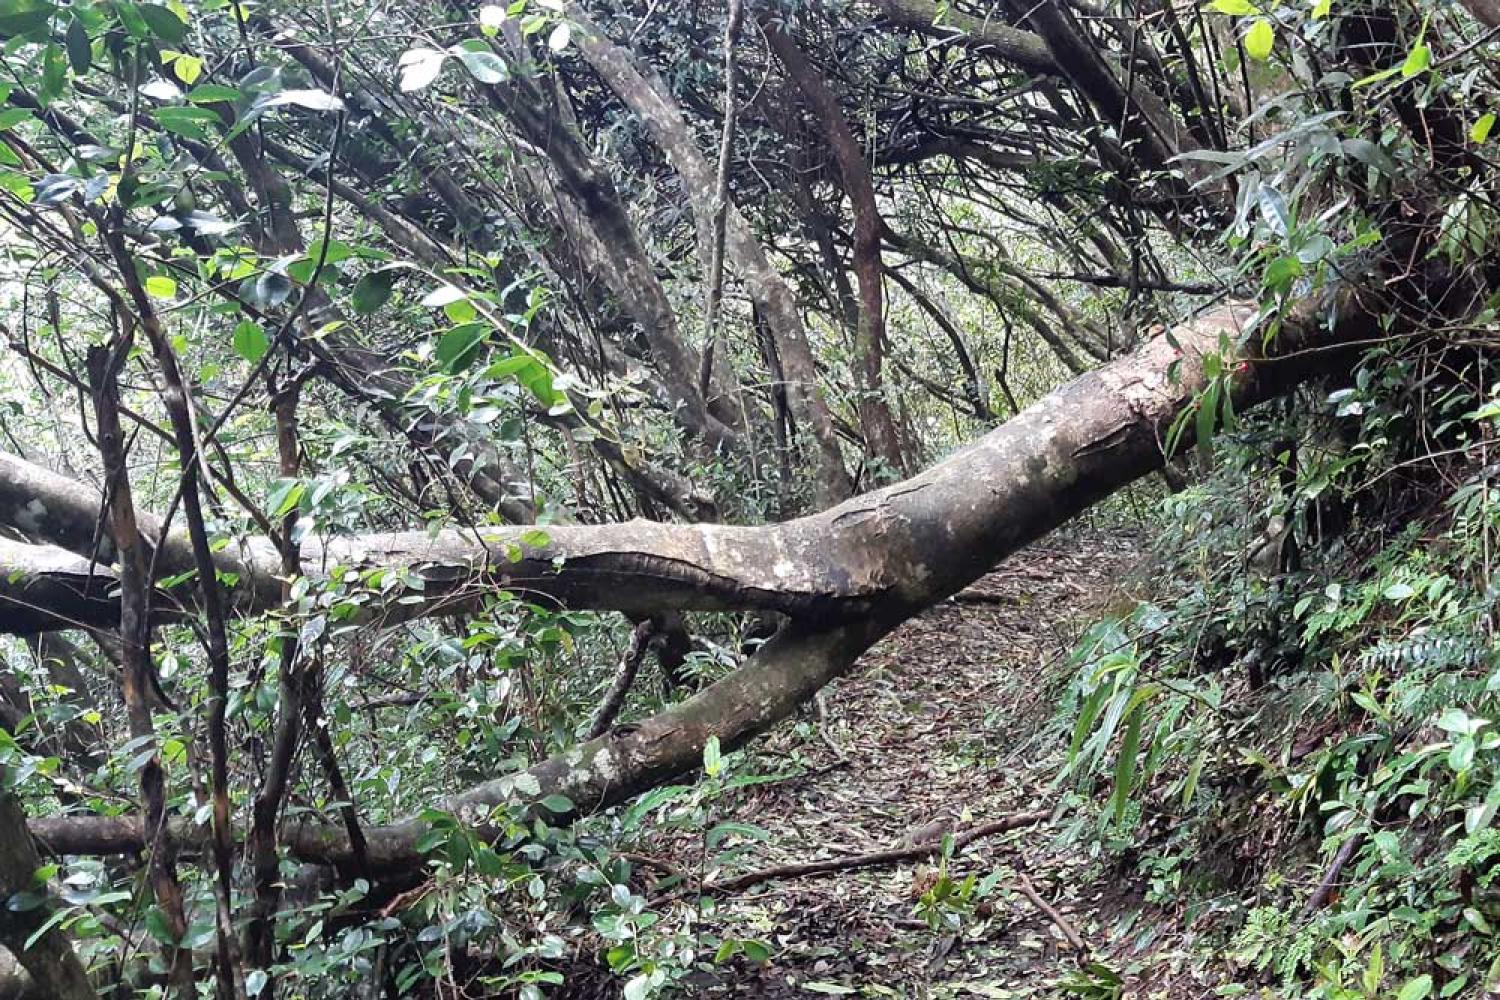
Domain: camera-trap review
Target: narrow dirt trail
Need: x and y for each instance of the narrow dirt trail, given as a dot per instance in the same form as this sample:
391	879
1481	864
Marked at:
935	732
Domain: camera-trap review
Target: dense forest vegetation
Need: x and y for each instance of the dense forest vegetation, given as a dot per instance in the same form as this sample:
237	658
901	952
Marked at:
515	499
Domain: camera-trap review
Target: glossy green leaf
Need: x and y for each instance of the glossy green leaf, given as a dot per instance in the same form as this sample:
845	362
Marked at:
1259	40
163	22
458	348
250	341
80	49
1417	60
25	17
373	290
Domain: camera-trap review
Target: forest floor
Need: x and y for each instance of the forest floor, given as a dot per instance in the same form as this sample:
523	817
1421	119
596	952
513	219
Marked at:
942	727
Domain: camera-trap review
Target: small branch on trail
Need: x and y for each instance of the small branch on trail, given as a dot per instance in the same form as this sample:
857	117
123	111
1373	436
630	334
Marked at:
874	859
656	864
630	665
1324	892
1025	888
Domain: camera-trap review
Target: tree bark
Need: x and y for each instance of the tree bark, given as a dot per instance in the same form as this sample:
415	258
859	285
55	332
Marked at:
50	961
635	280
876	420
645	94
1022	49
138	674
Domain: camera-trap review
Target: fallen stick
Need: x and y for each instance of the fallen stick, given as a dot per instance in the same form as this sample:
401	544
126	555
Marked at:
1324	893
874	859
1024	886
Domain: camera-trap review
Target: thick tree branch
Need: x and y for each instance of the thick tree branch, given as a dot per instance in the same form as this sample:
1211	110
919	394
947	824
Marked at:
1022	49
941	529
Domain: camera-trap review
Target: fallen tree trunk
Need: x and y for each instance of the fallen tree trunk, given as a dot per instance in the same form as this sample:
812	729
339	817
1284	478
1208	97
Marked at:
884	553
891	553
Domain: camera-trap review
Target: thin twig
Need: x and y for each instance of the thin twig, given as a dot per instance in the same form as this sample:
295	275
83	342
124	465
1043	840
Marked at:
873	859
630	665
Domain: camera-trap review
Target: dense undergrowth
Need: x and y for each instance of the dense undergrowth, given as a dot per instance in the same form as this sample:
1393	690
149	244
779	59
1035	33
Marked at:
1290	740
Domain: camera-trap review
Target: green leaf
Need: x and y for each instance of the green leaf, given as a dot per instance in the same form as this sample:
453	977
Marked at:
1259	40
457	348
266	290
284	497
1369	154
52	921
419	67
11	117
833	988
1481	129
1317	248
255	981
1195	772
1208	412
80	49
24	17
163	22
156	926
1417	60
312	100
1416	989
443	295
213	93
1477	920
558	805
1282	271
373	290
250	341
186	121
1130	745
1374	78
713	761
24	902
491	18
187	68
159	286
1461	757
54	73
1374	970
484	66
1235	8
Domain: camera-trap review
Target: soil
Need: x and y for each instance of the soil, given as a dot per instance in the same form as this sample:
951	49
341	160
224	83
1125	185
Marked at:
947	724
